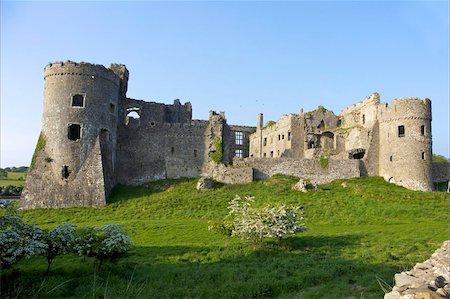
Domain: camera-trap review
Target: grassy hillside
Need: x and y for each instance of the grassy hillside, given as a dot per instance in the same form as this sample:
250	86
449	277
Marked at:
14	179
357	236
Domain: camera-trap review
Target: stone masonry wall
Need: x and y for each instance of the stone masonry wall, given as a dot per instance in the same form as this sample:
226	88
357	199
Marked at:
440	172
304	168
429	279
232	174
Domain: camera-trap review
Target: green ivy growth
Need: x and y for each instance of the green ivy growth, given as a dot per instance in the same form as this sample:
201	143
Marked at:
270	123
42	141
323	162
322	109
217	155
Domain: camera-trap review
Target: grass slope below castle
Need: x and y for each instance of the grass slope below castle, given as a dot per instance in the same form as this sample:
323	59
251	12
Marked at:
367	231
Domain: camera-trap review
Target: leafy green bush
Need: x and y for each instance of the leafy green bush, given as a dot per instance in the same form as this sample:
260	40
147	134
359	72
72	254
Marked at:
59	241
105	243
269	124
17	239
439	158
269	222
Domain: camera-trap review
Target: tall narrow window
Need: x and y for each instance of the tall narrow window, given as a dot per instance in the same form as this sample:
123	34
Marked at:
74	132
401	131
195	153
265	142
390	158
423	155
65	171
172	150
78	100
271	153
364	119
289	135
238	153
422	130
239	138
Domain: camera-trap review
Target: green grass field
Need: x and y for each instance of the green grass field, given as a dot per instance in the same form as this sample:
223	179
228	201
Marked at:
14	179
358	236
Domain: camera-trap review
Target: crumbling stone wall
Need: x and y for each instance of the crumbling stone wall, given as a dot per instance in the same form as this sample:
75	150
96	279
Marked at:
303	168
440	172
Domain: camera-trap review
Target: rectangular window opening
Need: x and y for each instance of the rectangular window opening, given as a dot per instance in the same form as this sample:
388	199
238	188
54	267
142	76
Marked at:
112	108
423	155
422	130
172	150
78	100
195	153
239	138
265	142
289	135
238	153
74	132
401	131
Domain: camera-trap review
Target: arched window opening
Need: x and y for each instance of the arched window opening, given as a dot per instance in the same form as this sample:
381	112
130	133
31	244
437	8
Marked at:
133	115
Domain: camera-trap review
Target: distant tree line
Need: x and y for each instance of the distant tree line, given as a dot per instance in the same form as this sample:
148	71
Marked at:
439	158
15	169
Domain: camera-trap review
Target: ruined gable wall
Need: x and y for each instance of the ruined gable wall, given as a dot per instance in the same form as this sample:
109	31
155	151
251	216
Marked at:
275	138
357	122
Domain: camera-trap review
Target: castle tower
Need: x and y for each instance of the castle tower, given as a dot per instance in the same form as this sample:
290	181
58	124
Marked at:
79	125
405	143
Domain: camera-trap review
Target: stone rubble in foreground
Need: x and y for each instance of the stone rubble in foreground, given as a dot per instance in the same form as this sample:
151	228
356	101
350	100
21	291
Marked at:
427	280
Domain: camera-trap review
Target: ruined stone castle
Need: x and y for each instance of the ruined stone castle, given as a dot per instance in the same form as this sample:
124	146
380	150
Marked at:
94	137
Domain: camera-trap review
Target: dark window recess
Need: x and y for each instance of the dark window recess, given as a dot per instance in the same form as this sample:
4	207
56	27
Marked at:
271	153
422	130
265	142
321	125
78	100
112	108
74	132
423	155
65	172
279	137
195	153
401	131
265	155
289	135
364	119
172	150
390	158
339	122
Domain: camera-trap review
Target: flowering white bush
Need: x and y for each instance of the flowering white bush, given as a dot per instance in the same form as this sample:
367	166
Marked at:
269	222
105	243
17	239
59	241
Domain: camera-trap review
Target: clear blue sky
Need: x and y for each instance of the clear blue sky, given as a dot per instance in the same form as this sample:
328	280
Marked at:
239	57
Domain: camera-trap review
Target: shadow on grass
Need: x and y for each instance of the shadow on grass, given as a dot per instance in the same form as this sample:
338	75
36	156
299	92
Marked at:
304	267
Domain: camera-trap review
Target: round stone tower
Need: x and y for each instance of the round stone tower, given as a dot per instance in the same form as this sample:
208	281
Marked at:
80	105
79	125
405	143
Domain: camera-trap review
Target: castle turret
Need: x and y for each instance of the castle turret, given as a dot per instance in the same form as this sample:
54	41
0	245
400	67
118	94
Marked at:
79	125
405	143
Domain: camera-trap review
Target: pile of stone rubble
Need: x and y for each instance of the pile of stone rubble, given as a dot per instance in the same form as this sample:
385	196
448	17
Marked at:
427	280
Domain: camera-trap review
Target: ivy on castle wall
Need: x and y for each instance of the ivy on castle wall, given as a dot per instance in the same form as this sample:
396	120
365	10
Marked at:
42	141
217	155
